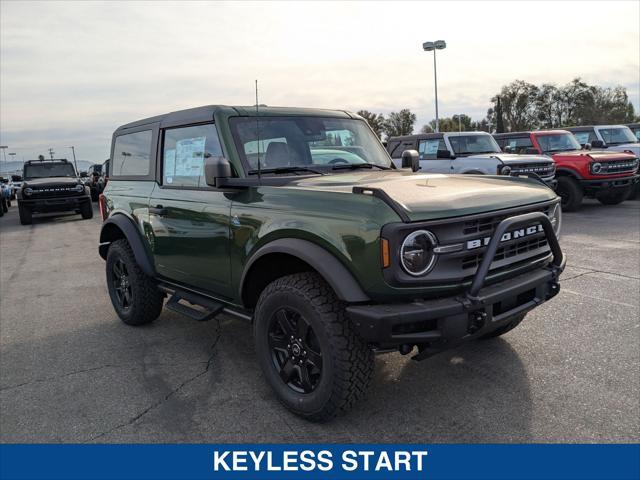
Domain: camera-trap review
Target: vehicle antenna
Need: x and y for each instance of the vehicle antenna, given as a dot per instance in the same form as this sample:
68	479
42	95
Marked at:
258	130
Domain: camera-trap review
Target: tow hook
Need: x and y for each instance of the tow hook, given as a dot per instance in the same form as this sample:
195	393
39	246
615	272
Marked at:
554	289
477	321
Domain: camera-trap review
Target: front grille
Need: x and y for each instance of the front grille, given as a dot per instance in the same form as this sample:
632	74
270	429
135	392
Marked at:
617	166
488	224
513	250
54	191
540	169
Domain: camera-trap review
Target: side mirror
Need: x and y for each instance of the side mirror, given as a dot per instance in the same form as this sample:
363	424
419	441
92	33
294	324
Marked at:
411	159
508	149
215	168
84	174
587	146
598	144
445	154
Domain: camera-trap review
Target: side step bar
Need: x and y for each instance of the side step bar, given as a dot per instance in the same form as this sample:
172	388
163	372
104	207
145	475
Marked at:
197	306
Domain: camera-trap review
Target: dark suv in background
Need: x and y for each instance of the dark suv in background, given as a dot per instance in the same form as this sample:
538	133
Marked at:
92	180
52	186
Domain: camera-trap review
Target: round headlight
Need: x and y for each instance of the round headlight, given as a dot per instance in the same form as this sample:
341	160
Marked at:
555	215
596	167
28	191
506	170
79	188
416	254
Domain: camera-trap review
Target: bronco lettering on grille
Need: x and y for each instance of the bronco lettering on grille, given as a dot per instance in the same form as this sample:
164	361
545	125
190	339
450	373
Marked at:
520	233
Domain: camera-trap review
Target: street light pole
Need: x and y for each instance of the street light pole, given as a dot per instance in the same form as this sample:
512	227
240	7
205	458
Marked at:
432	47
73	150
4	149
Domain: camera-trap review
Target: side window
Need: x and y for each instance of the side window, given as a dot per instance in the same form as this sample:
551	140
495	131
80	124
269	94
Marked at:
582	137
428	149
518	144
132	154
184	152
392	147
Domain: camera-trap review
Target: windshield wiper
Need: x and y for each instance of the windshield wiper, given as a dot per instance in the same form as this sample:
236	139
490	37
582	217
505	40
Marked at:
285	170
353	166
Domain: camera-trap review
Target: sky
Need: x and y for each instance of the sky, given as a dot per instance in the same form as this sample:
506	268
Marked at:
71	72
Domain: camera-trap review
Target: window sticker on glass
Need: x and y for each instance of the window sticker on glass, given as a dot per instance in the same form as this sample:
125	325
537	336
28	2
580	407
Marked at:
169	163
189	156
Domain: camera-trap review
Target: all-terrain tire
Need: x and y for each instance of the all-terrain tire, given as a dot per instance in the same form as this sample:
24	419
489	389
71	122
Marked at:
347	360
86	210
146	300
570	192
5	205
505	328
26	217
614	197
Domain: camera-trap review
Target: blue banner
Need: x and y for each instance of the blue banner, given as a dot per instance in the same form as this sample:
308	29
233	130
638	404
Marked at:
321	462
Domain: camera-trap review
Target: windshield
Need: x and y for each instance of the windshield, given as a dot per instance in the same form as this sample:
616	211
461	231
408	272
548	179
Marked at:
44	170
561	142
617	135
467	144
314	143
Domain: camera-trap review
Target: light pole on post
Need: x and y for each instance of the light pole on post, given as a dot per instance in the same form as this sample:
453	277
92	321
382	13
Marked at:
432	47
73	150
4	150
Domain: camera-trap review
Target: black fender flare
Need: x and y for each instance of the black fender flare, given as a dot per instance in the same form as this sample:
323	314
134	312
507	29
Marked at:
568	172
325	263
132	234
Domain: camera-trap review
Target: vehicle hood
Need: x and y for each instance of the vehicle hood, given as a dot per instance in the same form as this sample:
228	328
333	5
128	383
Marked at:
35	182
626	147
599	155
433	196
514	158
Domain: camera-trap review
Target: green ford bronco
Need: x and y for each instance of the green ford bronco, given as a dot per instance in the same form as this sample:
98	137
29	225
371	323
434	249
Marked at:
297	221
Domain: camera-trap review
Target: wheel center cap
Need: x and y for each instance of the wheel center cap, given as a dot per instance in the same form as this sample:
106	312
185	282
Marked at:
295	348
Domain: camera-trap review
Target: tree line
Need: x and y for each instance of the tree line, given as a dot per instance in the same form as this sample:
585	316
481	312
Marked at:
524	106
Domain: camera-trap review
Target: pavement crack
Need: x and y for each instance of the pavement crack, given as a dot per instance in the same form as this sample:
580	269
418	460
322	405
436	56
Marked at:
171	393
56	377
591	271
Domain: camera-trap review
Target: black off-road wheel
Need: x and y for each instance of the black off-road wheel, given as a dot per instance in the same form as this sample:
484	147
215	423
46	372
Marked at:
505	328
86	210
5	205
614	197
310	355
570	193
135	296
26	217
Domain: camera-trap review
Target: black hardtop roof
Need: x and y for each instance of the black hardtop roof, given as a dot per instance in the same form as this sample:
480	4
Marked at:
206	113
528	132
422	136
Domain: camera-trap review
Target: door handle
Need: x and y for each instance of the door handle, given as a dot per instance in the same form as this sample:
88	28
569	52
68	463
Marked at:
159	210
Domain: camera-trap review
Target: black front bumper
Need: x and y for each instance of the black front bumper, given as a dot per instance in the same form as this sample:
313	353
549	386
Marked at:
55	204
437	325
591	186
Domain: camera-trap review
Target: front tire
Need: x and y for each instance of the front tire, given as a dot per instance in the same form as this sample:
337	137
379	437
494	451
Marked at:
570	192
614	197
310	355
26	217
86	210
135	297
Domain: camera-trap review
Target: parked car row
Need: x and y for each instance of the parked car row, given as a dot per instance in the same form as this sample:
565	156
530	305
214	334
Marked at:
558	157
95	178
6	195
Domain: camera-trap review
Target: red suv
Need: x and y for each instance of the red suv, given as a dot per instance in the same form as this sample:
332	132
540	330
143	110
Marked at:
607	176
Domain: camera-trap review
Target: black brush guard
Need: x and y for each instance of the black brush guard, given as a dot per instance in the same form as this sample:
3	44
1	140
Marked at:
437	325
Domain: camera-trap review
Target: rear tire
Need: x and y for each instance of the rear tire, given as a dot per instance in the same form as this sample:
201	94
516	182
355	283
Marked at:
135	296
505	328
614	197
26	217
86	210
570	192
310	355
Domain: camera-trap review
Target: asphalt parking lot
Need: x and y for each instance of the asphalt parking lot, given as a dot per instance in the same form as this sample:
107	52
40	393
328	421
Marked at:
70	371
